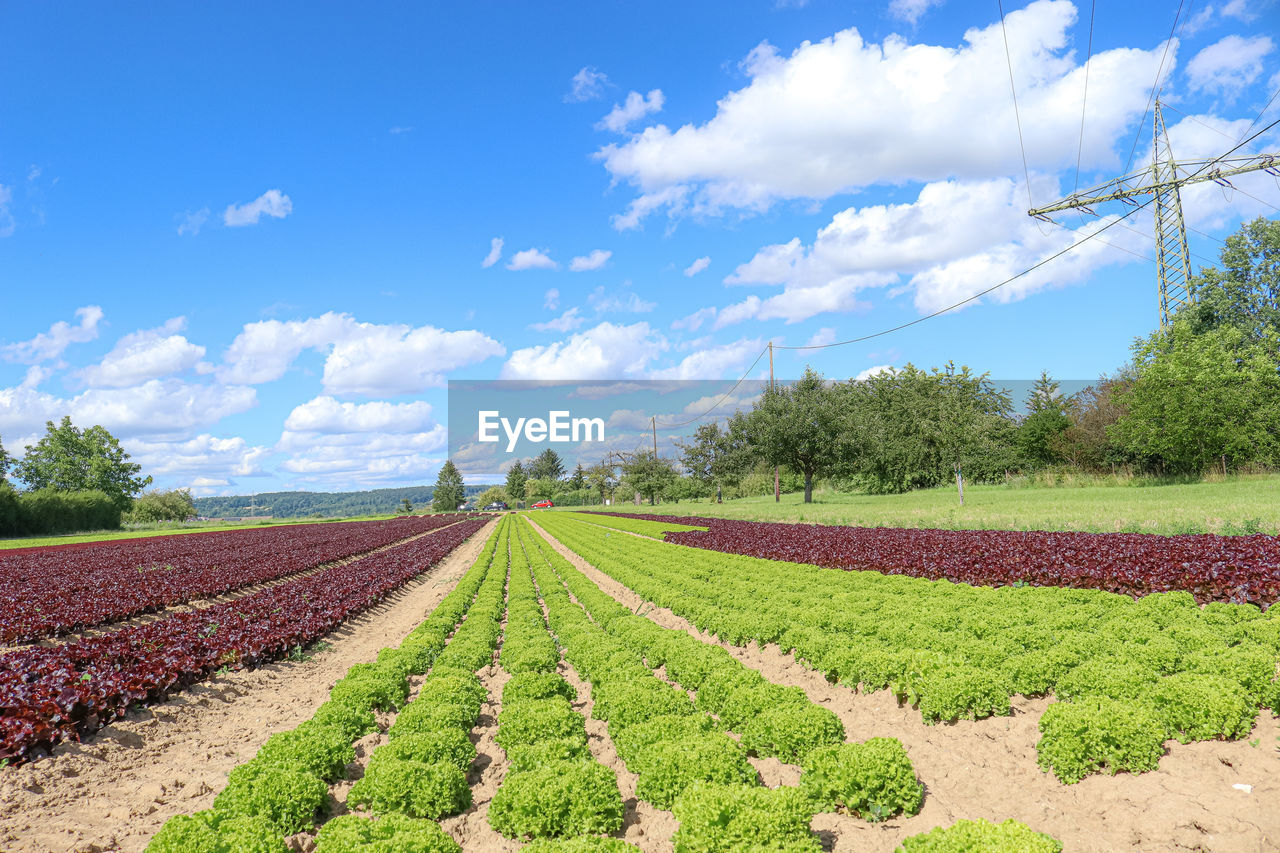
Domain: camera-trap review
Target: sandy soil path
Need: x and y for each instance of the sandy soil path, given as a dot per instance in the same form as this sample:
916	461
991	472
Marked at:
114	792
987	769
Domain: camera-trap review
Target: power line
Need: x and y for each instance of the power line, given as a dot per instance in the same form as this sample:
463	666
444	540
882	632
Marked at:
1013	90
1084	102
723	397
1203	124
1263	111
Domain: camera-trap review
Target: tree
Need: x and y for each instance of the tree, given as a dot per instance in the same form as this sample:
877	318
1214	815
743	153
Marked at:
492	495
158	505
648	474
449	492
601	478
1046	420
798	425
516	479
5	461
1245	292
579	478
542	489
1201	399
917	429
406	506
1085	442
547	466
68	459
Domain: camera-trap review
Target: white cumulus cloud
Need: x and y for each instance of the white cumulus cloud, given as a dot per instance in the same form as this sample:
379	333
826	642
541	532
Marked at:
634	108
911	11
594	261
587	85
566	322
532	259
845	113
143	355
49	345
697	266
495	252
272	203
605	351
1227	66
361	358
328	415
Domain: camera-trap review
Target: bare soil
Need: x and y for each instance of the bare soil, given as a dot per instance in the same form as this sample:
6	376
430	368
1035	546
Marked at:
1209	796
115	792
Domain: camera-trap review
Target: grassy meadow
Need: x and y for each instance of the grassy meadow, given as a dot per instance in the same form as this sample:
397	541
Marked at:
1233	505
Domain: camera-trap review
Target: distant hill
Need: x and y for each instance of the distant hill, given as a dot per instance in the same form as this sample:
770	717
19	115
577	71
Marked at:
329	504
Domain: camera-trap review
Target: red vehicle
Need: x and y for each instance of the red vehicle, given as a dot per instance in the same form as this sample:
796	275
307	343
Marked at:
543	505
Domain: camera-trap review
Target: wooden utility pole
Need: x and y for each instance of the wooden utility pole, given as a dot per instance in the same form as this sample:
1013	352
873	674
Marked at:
654	422
777	494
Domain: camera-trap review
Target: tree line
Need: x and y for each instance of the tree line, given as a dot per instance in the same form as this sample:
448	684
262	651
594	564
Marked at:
1200	395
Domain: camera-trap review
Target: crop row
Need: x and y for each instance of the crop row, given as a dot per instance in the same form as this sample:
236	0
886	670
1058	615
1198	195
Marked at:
1129	674
51	591
283	788
554	788
1235	569
67	691
679	749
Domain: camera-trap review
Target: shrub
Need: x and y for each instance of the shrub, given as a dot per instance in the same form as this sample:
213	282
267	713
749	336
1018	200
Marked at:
217	832
391	833
287	799
1203	707
536	685
874	779
530	722
53	511
562	798
714	818
450	745
411	788
1096	733
668	767
312	747
790	731
969	836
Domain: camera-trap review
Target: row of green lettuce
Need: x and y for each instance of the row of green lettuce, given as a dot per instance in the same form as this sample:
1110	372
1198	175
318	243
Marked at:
554	790
285	787
684	759
1128	674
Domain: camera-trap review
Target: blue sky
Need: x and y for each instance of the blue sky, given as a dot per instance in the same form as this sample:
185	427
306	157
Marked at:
255	240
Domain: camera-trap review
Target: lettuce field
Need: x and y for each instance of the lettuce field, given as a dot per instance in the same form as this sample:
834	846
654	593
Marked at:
586	682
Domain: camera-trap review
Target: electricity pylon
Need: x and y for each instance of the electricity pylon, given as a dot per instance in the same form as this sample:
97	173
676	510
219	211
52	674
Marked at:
1164	178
